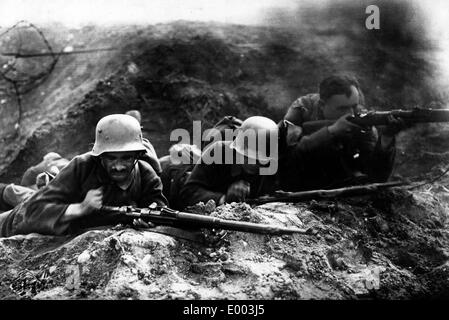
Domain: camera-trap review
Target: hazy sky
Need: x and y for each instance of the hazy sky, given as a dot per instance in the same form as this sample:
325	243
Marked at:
79	12
76	12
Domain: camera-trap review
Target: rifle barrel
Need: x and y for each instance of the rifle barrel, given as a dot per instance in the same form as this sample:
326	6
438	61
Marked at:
166	216
378	118
417	115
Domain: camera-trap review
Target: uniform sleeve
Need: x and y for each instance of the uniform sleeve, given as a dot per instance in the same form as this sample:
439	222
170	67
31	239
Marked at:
202	185
29	177
301	111
319	141
296	111
43	211
151	187
4	206
150	156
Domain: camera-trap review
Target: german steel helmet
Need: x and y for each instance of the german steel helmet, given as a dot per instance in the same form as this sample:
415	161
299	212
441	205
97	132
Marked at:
117	133
248	141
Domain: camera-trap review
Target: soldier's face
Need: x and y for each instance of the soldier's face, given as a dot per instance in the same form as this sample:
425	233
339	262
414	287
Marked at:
119	165
339	105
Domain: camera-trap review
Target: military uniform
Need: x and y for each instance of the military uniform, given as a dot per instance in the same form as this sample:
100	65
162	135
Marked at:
43	211
150	156
50	160
211	181
11	195
320	160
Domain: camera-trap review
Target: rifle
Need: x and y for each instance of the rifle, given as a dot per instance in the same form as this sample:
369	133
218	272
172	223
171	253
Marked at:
169	217
282	196
378	118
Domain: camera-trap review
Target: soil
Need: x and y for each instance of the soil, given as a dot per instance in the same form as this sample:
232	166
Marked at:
391	245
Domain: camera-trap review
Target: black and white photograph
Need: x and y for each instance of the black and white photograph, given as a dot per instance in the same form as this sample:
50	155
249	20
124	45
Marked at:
224	150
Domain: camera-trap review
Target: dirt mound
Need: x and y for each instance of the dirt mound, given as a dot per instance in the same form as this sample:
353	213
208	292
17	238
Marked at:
389	246
179	72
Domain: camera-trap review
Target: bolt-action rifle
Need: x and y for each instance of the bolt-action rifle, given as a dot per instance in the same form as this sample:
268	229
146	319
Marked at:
378	118
169	217
282	196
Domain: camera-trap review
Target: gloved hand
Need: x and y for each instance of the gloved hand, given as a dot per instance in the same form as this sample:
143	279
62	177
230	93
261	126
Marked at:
238	191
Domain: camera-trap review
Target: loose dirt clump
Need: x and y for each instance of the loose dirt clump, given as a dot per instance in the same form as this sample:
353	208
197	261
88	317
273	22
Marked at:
376	252
237	211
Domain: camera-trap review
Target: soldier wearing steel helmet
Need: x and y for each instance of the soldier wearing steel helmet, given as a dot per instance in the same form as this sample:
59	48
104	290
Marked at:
150	154
232	171
111	174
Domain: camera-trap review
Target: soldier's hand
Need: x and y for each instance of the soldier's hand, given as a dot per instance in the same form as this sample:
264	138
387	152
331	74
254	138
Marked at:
343	128
139	223
394	126
93	200
238	191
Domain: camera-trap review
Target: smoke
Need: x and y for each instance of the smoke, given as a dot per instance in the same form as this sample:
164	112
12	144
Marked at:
100	12
405	62
436	13
410	51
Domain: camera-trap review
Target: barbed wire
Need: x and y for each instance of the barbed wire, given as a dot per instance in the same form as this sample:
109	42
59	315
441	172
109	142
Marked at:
28	81
21	81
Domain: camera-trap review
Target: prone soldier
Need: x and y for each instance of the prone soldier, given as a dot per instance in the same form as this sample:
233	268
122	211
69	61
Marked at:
111	174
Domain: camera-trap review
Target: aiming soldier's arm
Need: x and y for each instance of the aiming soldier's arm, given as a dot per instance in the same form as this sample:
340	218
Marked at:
298	113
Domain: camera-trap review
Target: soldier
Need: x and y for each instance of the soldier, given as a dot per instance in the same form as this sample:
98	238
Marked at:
51	164
150	155
111	174
342	153
178	165
236	170
11	195
176	168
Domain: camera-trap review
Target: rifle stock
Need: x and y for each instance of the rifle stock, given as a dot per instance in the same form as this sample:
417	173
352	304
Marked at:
378	118
169	217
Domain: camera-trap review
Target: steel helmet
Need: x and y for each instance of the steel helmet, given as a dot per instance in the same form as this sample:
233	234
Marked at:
117	133
135	114
52	156
247	142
